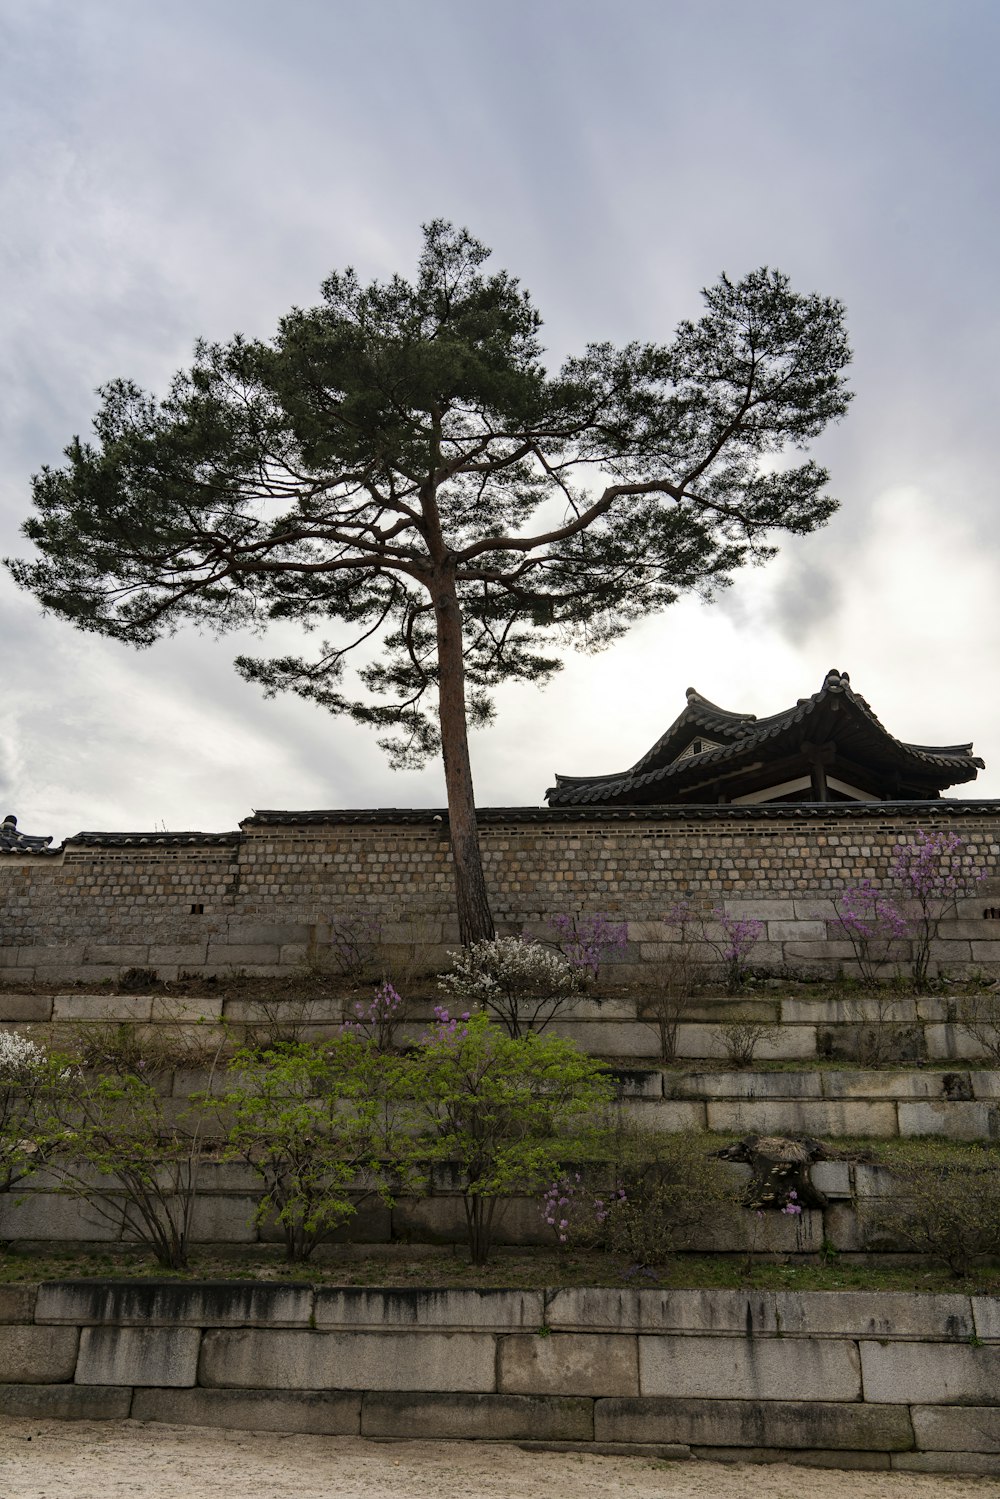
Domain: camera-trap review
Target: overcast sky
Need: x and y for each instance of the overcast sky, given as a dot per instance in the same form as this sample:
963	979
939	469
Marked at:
195	168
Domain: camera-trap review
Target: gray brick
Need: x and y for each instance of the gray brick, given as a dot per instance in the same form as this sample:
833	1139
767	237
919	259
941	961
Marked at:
796	931
496	1418
137	1355
413	1307
947	1462
882	1085
724	1368
324	1412
590	1308
30	1007
17	1303
956	1121
115	1007
755	1423
51	1216
986	1310
151	1303
244	955
37	1355
749	1085
954	1428
808	1117
931	1373
65	1402
348	1361
127	955
224	1220
177	954
890	1314
568	1364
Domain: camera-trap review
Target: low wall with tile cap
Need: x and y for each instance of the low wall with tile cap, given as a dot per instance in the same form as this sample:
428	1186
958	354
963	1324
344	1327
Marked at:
263	898
899	1381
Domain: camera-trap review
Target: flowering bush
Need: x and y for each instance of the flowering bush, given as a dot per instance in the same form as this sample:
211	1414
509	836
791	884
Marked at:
25	1076
873	924
741	935
378	1020
523	983
585	941
934	874
573	1212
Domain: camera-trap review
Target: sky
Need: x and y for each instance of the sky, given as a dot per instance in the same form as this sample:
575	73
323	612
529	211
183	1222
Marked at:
169	172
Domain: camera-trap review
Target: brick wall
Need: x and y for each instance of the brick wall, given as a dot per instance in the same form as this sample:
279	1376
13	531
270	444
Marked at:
268	894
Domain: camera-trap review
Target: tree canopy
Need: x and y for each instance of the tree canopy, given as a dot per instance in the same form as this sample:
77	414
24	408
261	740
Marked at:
398	467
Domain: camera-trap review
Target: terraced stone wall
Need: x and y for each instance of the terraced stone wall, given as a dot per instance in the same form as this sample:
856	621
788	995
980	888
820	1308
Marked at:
264	899
910	1382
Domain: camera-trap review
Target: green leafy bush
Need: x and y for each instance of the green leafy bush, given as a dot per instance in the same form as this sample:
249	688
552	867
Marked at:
317	1122
504	1111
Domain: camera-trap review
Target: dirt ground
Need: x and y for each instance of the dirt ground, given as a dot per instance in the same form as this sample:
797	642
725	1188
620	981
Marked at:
112	1460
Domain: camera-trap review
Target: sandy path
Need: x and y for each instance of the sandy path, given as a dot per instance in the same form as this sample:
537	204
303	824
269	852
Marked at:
112	1460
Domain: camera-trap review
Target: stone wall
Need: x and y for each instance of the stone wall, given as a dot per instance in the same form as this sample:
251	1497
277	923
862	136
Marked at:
264	899
910	1382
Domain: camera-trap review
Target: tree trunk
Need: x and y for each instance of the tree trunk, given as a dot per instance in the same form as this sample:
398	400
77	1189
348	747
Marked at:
475	922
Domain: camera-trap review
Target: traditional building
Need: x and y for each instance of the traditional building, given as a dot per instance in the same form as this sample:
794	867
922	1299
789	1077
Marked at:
827	748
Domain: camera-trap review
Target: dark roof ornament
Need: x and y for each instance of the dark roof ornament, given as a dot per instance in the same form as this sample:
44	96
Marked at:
827	748
13	842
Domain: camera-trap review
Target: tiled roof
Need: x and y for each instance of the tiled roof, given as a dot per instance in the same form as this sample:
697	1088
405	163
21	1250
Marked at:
550	816
13	842
147	840
744	736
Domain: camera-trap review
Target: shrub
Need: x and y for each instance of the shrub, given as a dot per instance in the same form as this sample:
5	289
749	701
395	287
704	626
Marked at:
504	1111
874	925
585	941
668	1194
355	938
673	980
378	1021
740	936
115	1140
740	1039
316	1124
979	1017
934	874
941	1207
522	983
26	1077
137	980
117	1149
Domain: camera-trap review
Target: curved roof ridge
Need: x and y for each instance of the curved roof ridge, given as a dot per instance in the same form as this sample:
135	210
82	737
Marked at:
696	699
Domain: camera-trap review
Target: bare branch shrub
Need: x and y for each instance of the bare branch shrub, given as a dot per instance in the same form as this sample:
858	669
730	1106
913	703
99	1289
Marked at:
940	1206
740	1039
979	1017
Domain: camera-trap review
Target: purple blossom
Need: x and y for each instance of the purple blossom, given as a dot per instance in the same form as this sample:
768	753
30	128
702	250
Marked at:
585	941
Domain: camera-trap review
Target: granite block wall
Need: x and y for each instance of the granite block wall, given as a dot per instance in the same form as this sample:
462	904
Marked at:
833	1378
265	898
